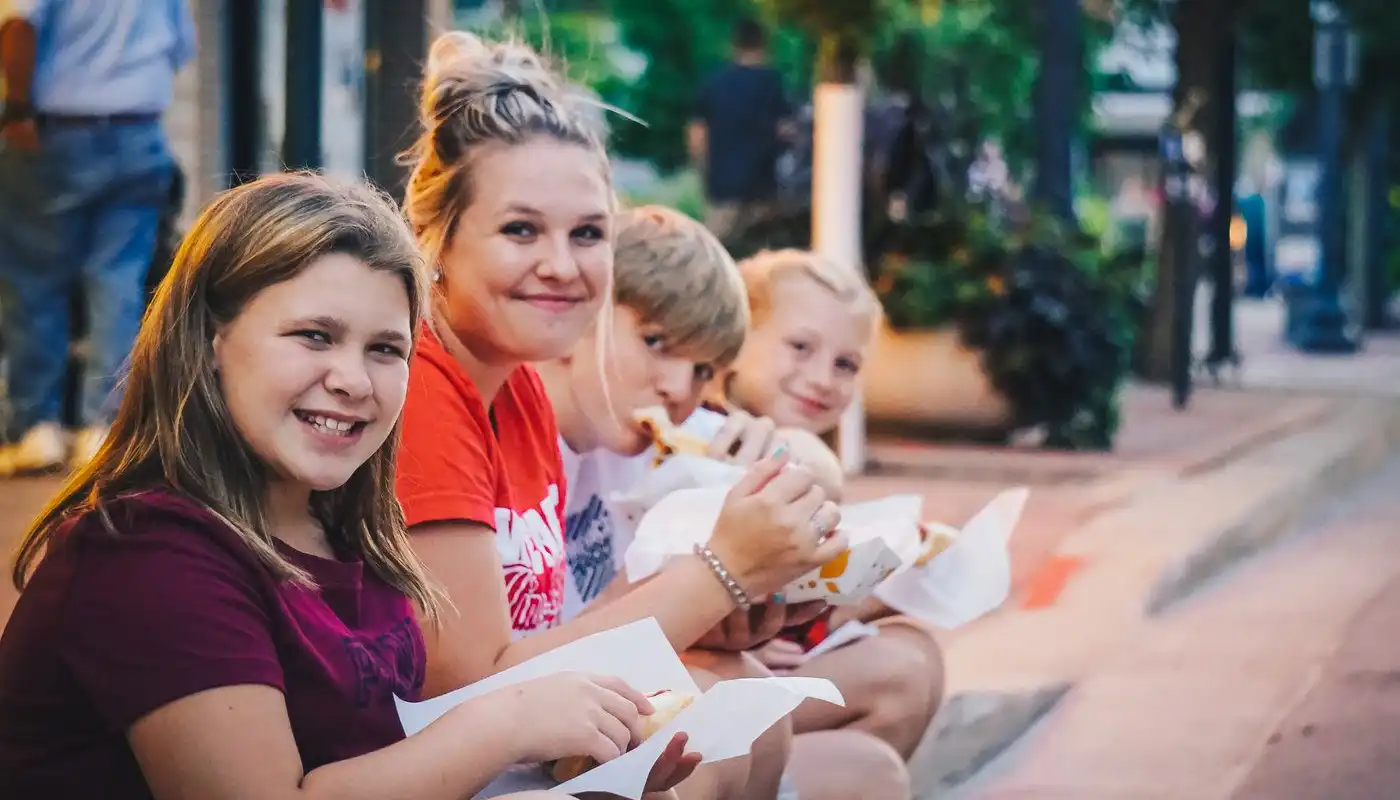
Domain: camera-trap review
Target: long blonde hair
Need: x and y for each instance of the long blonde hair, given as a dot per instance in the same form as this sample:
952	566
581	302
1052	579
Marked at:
173	420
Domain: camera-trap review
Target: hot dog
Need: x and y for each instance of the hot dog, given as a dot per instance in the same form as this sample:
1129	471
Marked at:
667	438
666	704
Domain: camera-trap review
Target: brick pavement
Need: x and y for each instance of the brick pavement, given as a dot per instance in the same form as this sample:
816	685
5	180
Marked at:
1157	443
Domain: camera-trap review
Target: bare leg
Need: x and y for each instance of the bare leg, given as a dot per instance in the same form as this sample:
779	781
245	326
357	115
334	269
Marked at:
721	780
893	684
769	756
847	765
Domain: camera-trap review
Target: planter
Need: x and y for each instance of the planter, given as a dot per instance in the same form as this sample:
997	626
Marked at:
927	380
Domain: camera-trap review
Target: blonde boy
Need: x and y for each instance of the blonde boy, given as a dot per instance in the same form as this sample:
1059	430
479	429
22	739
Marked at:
680	317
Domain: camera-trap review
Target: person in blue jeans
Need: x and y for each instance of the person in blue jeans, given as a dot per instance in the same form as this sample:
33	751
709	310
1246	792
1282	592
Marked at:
84	174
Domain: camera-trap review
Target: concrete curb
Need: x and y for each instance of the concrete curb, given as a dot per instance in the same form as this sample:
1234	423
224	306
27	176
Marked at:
1009	671
973	728
1369	439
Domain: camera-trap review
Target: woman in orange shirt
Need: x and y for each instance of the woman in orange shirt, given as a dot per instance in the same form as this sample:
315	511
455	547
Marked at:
512	202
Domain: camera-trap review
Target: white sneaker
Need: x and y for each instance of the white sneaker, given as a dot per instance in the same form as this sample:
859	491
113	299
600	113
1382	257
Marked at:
41	449
86	443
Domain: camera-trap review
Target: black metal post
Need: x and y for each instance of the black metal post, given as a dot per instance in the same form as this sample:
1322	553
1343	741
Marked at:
243	106
301	140
1222	260
1323	323
396	45
1179	212
1056	95
1377	293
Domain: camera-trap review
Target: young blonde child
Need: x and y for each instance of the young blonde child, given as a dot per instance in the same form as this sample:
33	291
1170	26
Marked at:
680	317
812	323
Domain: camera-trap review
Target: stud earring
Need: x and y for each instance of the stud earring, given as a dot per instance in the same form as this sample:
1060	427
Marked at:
437	274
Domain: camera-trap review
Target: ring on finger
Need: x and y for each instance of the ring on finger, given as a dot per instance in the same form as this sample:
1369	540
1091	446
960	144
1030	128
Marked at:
822	524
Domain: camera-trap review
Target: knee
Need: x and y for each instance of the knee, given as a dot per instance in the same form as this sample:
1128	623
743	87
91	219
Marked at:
837	765
908	675
882	769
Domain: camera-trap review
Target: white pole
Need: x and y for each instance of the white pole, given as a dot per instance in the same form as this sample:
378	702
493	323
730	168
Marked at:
838	127
441	18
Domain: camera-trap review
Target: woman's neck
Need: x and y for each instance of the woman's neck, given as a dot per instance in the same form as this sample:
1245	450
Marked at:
574	426
487	376
289	515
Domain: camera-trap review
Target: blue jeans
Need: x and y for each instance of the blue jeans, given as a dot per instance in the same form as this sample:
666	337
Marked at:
81	212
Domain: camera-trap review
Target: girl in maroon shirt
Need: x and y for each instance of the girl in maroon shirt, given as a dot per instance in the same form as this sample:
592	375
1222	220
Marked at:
226	601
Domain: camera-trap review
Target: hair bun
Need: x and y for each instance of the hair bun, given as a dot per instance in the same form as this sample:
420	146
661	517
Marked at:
463	68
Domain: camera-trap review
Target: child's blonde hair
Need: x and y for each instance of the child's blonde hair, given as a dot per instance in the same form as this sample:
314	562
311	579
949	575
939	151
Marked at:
677	276
763	271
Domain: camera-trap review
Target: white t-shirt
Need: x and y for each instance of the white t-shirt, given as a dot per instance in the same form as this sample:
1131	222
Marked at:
594	540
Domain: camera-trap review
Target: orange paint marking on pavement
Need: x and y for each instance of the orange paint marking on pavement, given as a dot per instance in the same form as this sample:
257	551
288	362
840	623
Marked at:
1045	585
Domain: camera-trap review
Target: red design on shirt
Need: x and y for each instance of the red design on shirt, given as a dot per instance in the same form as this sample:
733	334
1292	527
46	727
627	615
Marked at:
532	556
453	466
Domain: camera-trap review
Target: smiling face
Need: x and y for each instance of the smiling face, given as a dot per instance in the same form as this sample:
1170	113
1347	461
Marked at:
800	364
528	264
639	370
314	369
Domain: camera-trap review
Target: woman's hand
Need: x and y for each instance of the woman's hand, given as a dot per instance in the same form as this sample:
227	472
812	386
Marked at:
569	714
776	525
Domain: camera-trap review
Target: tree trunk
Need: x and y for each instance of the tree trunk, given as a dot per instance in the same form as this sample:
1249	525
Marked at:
1199	26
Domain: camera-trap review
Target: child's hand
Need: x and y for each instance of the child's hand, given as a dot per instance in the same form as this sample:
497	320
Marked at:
745	630
781	655
744	439
572	714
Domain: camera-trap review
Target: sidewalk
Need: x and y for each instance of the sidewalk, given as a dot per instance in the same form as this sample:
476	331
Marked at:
1109	541
1275	683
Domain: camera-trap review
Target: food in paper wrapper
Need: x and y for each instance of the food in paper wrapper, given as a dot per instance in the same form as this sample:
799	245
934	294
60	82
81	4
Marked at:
666	705
668	439
883	534
935	539
722	723
967	578
884	538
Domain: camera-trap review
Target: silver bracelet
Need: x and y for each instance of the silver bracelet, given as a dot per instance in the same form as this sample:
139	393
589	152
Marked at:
736	592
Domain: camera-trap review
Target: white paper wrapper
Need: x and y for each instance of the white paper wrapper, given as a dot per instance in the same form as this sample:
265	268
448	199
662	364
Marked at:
969	579
674	474
721	723
884	537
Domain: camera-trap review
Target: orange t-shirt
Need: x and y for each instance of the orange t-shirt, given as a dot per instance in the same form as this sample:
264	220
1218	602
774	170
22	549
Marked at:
453	467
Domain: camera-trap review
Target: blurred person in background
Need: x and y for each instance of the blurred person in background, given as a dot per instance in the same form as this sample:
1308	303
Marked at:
741	118
85	173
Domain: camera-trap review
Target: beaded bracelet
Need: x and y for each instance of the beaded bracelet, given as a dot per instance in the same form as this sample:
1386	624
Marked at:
736	592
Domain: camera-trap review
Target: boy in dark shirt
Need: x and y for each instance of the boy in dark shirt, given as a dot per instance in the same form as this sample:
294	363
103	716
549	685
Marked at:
740	120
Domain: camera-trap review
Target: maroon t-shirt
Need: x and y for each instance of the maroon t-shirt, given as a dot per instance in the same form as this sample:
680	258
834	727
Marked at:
112	628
